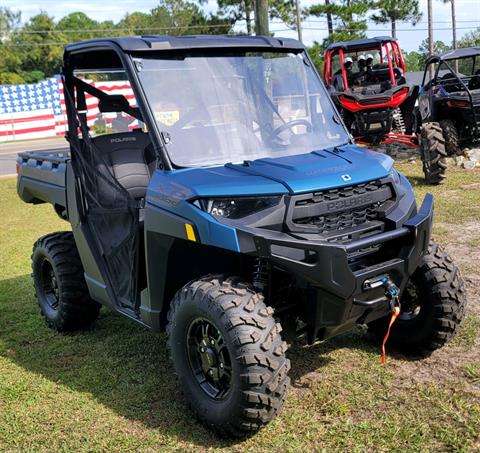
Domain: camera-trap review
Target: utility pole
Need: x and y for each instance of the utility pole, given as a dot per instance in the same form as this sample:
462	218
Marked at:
454	31
261	17
299	20
454	25
430	34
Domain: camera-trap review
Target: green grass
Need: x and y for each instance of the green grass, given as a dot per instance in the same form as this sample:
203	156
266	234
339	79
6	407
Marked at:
111	389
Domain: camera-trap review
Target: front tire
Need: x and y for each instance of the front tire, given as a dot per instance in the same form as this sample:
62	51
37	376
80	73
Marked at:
432	307
432	147
239	383
60	286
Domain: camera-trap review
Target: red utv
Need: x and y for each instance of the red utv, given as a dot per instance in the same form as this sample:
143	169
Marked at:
366	79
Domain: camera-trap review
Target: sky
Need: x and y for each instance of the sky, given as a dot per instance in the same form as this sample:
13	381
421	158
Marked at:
314	29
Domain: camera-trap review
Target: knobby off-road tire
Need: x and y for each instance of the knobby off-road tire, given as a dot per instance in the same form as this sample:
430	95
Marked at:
452	140
253	350
432	146
59	283
433	306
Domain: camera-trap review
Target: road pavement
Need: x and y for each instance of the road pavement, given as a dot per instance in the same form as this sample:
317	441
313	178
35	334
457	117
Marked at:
9	150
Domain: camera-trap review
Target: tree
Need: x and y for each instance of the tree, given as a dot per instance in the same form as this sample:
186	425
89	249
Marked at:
414	61
316	54
438	46
471	39
136	23
180	17
42	46
238	10
9	55
34	51
9	21
244	10
349	14
392	11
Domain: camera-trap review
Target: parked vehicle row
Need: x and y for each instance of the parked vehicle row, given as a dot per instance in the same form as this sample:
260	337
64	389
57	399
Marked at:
366	79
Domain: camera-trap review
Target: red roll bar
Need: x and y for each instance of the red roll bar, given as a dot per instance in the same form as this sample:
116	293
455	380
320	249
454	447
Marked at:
344	72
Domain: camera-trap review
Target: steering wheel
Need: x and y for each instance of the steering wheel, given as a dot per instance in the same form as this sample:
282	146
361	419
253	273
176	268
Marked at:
197	114
288	126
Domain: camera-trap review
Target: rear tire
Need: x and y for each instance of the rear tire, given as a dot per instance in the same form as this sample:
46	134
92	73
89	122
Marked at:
452	140
432	146
60	287
433	306
252	352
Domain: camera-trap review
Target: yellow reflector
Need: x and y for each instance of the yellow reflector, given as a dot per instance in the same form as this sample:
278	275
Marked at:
190	232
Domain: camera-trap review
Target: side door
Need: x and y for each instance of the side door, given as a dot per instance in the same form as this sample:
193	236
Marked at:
106	180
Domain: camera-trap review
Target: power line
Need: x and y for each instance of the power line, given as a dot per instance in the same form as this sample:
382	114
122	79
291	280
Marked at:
206	26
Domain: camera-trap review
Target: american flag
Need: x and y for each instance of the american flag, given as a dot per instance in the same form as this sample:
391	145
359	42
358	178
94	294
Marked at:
37	110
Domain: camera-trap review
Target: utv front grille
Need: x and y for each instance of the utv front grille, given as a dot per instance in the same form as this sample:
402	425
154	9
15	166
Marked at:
346	219
343	214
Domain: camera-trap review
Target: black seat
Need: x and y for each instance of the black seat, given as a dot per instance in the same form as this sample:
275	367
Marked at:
130	159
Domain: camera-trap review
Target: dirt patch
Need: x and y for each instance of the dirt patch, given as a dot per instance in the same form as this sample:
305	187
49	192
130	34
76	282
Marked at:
446	365
473	185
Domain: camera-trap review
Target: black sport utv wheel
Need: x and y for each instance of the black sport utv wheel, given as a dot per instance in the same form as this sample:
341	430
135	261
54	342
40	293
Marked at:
60	286
432	306
432	146
228	355
452	140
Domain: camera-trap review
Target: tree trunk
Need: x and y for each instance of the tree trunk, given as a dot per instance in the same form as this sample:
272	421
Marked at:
454	25
454	31
394	28
261	17
248	17
329	20
430	36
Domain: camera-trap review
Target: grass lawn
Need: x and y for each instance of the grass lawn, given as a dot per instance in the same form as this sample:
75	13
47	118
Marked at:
111	389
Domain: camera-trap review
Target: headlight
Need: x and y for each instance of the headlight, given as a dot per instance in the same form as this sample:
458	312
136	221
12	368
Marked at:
236	208
395	176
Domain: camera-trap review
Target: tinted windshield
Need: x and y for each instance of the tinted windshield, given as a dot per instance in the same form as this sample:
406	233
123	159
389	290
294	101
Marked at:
219	109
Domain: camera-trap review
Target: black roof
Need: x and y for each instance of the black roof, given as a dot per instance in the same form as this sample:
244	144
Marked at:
459	53
160	43
361	43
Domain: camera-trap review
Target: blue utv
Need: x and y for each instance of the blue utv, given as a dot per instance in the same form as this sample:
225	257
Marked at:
214	193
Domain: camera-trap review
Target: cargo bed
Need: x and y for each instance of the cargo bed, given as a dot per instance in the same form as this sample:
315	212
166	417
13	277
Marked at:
41	176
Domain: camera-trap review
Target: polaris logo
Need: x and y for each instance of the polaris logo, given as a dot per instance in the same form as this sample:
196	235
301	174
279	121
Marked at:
124	139
349	203
346	177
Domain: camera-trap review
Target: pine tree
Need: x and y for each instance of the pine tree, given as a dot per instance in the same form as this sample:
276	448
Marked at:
346	18
392	11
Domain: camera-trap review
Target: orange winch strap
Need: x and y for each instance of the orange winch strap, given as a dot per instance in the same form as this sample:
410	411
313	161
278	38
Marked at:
395	313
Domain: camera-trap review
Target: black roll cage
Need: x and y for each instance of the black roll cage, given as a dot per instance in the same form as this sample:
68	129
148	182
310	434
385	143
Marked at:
437	59
143	107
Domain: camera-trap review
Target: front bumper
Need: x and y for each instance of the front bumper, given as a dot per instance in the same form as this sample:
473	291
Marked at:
338	297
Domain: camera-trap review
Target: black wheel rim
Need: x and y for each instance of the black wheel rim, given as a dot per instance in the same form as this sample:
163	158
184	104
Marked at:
49	284
209	358
411	306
